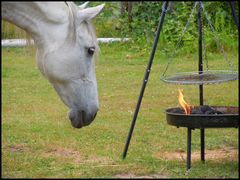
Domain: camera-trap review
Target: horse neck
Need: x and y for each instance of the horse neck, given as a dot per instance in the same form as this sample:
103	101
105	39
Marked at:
47	22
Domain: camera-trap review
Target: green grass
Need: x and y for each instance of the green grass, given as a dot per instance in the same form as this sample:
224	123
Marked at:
38	140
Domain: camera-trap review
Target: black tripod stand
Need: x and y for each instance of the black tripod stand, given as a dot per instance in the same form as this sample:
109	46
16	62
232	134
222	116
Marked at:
200	69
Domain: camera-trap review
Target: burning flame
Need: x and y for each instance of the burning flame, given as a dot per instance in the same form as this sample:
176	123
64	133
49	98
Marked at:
183	103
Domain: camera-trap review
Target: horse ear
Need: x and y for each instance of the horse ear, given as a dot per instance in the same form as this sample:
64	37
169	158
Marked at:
89	13
84	5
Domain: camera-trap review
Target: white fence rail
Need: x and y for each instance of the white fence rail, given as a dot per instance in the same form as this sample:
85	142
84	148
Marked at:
23	42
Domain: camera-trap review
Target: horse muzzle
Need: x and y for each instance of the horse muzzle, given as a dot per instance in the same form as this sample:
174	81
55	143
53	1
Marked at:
81	118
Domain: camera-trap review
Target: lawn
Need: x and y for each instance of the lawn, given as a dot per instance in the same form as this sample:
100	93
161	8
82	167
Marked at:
38	140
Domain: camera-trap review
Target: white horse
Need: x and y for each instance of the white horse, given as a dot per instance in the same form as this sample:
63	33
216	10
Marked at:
66	44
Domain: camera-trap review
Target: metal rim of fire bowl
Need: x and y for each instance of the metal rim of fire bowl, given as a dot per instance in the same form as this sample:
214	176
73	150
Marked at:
205	120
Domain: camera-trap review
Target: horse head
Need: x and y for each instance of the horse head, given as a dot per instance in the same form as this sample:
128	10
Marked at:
66	47
71	67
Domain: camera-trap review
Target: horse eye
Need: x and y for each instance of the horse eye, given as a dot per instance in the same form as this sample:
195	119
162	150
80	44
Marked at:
91	50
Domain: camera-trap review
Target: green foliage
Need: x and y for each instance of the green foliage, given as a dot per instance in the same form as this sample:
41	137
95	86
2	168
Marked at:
144	20
145	17
10	31
107	21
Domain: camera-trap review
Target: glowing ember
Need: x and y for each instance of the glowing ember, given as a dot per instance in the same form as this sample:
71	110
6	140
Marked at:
183	103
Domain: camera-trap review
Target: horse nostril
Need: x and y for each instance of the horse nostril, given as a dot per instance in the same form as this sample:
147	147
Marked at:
83	114
80	118
76	118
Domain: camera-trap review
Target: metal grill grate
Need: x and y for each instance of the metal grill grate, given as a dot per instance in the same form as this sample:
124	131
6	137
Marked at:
201	77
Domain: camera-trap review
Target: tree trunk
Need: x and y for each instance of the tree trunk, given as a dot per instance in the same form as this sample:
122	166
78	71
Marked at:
126	6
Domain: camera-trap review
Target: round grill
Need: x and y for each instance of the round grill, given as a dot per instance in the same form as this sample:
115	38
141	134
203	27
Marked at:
201	77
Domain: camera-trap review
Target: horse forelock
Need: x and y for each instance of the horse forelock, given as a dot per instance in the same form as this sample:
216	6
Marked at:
86	25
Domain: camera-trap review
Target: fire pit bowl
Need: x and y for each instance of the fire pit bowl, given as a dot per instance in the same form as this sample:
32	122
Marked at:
216	117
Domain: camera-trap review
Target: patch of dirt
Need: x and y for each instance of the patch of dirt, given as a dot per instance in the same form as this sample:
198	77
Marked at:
61	152
218	154
99	159
133	176
76	156
134	56
17	148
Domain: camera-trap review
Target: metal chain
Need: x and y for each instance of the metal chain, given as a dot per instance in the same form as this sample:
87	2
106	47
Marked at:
204	41
217	38
180	39
205	51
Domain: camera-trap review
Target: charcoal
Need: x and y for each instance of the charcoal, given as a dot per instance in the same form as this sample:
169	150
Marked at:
205	108
196	111
210	112
219	112
177	111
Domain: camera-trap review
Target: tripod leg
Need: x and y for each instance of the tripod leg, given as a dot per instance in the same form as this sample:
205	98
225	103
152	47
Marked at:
202	145
165	5
189	143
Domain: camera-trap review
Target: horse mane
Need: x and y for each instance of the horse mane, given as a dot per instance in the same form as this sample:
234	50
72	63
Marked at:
73	8
87	25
